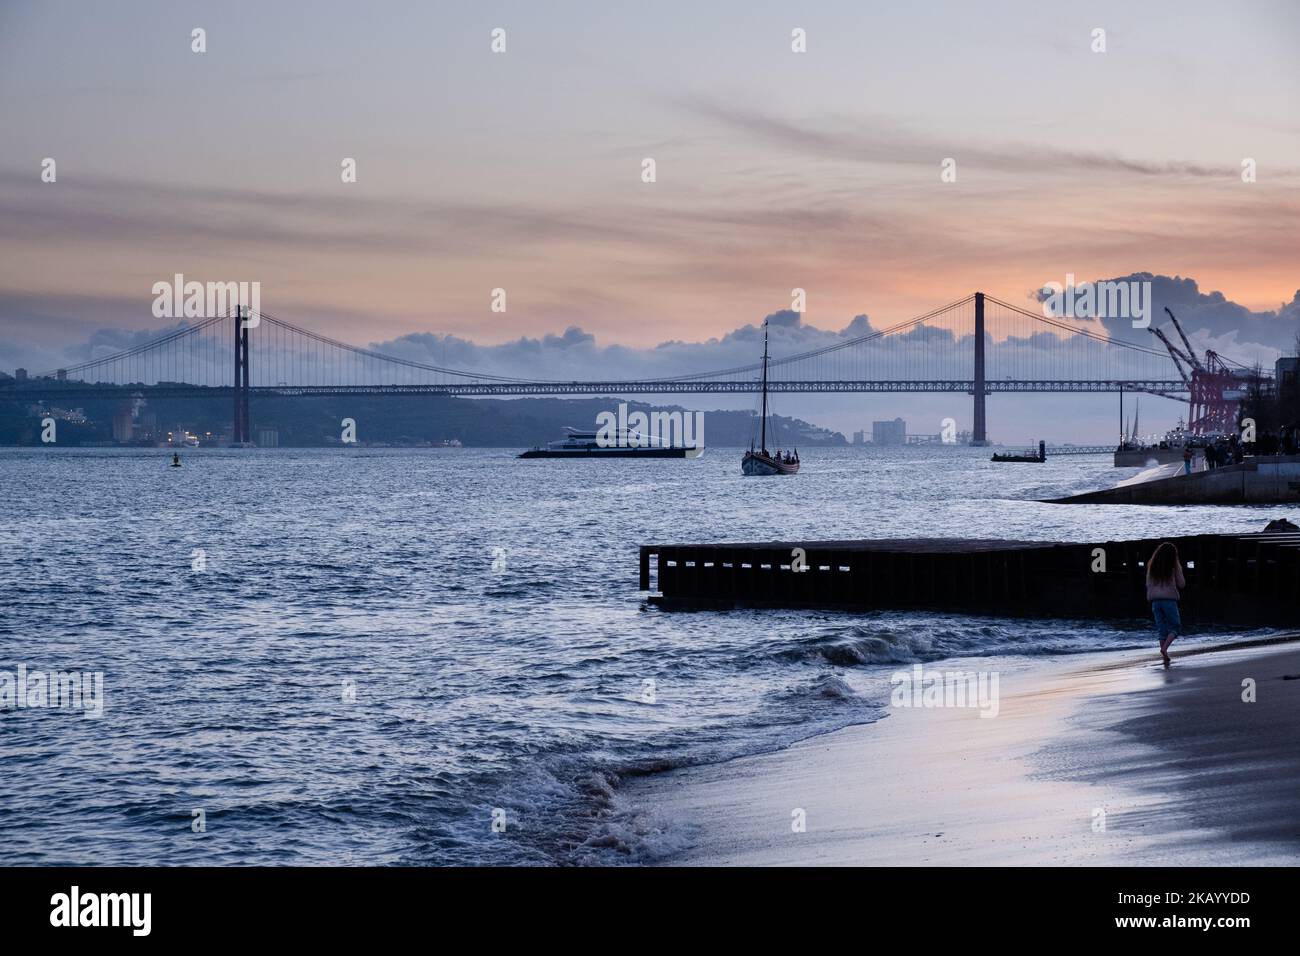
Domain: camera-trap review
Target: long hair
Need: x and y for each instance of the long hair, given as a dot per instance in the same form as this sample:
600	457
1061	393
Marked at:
1164	560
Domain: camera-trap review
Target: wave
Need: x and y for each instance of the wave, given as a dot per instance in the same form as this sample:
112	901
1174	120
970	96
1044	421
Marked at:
923	640
855	646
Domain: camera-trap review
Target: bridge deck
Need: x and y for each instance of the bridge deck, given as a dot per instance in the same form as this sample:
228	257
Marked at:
51	388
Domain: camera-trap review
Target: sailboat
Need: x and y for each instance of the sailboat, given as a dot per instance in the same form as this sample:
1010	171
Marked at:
1135	451
762	462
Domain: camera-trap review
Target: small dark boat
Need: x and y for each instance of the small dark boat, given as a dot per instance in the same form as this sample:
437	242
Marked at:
1027	457
763	462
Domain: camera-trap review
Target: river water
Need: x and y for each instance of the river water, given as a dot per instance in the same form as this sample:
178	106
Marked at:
380	656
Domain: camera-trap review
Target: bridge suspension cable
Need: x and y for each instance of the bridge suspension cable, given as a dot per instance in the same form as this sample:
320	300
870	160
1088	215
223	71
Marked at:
1075	330
928	352
825	350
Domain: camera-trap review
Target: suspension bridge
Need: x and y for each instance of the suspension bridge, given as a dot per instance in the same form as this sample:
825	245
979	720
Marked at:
979	345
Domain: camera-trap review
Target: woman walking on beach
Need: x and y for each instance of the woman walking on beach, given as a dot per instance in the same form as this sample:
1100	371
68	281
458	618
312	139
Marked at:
1164	578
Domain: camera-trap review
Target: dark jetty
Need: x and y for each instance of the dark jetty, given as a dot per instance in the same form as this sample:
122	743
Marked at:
1231	578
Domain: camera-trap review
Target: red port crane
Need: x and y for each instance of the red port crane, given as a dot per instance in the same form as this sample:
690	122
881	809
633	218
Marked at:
1210	382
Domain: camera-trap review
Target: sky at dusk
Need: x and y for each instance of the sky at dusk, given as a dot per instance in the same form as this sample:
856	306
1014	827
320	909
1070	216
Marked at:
522	170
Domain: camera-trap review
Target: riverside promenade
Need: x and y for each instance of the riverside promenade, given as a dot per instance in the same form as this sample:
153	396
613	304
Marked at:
1271	479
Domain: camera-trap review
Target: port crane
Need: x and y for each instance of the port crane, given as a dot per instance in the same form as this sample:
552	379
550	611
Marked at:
1213	387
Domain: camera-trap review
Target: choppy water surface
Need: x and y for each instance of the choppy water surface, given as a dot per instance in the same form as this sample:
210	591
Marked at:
386	646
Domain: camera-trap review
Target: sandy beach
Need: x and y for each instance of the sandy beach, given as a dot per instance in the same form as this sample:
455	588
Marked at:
1104	760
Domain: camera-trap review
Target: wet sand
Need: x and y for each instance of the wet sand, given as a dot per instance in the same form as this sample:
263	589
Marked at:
1106	760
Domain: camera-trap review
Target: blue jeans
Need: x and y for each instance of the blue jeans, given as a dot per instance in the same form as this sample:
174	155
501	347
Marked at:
1167	619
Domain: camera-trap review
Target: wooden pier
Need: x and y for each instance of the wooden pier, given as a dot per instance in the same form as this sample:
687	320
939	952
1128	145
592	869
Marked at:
1231	579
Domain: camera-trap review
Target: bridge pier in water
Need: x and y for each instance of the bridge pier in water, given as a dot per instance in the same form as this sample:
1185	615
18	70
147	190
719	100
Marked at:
242	426
979	430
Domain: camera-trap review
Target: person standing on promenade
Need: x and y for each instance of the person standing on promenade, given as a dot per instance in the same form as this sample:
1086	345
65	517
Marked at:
1164	578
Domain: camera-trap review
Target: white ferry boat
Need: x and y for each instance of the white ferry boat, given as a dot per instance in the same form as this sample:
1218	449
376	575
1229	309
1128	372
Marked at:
629	444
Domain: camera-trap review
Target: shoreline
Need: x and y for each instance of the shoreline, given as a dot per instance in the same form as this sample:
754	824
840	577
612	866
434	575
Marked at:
1108	761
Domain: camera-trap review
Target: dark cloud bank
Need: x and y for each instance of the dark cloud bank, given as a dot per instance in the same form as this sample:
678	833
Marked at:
1210	319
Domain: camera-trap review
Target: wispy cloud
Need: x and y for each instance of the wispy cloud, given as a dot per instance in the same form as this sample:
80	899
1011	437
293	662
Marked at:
875	139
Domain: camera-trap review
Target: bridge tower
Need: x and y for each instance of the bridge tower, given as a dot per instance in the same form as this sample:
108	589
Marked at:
980	431
241	433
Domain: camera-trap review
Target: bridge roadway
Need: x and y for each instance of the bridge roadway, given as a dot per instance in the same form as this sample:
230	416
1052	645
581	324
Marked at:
33	388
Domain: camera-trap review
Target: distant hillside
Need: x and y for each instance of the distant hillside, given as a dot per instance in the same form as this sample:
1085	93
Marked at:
392	419
721	427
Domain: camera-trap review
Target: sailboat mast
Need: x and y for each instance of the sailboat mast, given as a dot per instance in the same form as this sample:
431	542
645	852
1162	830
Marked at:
762	443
